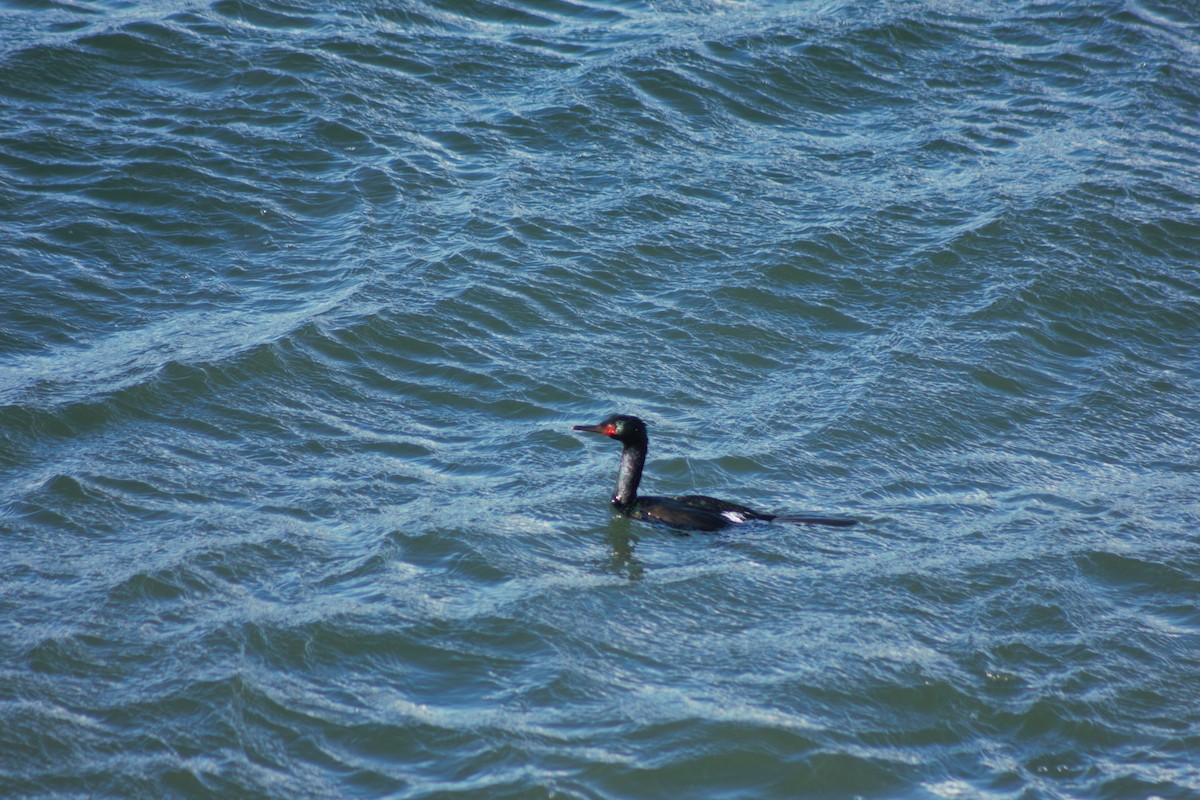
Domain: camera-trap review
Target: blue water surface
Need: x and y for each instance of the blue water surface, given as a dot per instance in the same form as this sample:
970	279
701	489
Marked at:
301	300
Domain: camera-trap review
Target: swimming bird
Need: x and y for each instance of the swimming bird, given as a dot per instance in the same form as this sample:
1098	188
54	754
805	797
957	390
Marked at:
693	511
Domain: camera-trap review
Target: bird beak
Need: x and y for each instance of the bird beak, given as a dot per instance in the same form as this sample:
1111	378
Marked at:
589	428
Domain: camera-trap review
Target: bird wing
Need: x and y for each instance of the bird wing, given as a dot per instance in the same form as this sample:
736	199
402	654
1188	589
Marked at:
730	511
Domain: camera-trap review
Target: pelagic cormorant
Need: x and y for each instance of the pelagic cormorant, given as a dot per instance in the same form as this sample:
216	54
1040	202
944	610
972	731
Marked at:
686	511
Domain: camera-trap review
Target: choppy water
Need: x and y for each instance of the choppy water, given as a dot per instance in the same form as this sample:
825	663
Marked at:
300	300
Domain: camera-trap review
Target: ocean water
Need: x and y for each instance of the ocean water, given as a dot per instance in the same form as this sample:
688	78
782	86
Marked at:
299	302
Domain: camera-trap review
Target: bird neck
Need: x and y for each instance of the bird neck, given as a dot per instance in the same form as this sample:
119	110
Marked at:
633	458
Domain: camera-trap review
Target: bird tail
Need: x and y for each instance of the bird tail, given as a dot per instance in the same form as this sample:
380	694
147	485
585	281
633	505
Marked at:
834	521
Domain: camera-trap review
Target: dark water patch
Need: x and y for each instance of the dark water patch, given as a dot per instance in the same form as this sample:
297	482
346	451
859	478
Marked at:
87	507
503	13
270	15
1136	573
163	586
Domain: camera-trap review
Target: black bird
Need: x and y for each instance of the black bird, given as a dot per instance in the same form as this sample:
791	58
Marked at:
685	511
